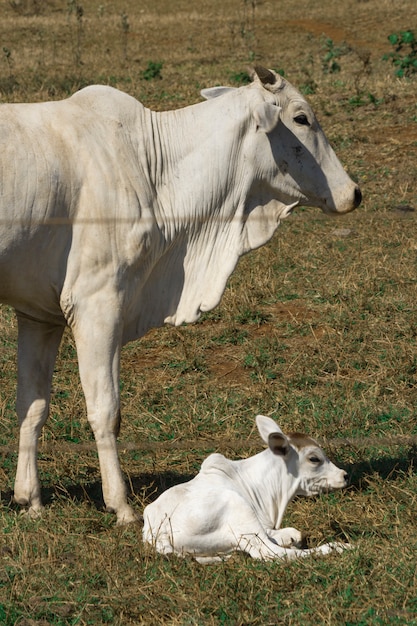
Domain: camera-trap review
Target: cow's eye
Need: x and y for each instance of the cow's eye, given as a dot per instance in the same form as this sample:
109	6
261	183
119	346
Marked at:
302	120
315	460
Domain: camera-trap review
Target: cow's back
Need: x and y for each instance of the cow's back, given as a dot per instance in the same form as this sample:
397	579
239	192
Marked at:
45	148
48	152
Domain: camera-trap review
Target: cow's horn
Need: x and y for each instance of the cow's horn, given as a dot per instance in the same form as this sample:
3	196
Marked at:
265	76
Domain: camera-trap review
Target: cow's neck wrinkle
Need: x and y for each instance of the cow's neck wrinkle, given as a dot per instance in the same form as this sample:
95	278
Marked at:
198	147
196	162
269	489
198	204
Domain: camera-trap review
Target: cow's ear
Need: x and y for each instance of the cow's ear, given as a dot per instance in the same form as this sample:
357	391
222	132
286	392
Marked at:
267	116
278	444
267	426
215	92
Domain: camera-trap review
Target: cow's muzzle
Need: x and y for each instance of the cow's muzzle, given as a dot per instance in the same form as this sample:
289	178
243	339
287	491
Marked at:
345	202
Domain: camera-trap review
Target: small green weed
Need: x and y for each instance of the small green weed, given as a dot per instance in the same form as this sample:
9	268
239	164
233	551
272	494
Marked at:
363	100
404	56
308	88
241	78
330	61
233	336
153	70
250	316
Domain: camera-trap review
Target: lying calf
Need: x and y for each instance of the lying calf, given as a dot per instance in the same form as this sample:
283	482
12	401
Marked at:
239	505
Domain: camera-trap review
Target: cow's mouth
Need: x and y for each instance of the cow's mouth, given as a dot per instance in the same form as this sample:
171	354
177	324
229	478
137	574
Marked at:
346	205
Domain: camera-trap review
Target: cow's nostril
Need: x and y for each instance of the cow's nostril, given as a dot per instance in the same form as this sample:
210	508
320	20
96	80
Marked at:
346	477
358	197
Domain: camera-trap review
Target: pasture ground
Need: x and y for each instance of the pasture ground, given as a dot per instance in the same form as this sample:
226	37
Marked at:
317	329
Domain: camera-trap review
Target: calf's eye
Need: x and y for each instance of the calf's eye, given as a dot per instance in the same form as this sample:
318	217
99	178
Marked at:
302	120
315	459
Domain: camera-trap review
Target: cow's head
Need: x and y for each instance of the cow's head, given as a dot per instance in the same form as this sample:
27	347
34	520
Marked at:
292	154
305	461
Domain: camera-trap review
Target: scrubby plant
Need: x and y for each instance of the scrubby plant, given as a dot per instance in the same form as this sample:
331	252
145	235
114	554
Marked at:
248	26
76	9
242	78
363	99
330	61
7	56
8	82
245	26
153	70
125	26
27	7
404	56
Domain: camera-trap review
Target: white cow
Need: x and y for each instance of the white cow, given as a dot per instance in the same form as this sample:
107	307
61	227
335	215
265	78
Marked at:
115	219
239	505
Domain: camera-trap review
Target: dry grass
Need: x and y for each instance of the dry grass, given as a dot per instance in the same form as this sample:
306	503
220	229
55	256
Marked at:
317	329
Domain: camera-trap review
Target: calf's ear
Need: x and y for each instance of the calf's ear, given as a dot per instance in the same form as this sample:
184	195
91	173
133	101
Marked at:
266	116
267	426
278	444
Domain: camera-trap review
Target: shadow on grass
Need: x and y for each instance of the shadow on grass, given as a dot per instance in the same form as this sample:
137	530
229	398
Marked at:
146	485
150	485
387	468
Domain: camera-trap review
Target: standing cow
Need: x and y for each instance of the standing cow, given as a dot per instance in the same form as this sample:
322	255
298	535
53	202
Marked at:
115	219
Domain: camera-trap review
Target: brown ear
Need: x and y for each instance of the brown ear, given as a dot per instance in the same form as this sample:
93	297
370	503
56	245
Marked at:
265	76
278	444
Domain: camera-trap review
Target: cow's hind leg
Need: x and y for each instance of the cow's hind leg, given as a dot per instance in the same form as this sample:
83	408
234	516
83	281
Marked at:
37	348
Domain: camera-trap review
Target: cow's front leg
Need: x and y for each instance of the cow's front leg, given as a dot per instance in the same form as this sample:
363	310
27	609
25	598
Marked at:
259	546
37	348
286	537
98	344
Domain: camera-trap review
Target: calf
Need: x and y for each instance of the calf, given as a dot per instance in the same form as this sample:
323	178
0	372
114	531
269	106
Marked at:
239	505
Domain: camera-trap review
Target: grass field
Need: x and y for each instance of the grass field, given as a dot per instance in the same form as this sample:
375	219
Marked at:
317	329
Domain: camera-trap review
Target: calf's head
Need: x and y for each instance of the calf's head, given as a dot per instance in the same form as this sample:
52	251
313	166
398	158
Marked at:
305	461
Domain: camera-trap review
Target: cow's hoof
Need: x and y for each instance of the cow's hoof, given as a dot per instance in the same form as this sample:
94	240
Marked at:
128	516
337	546
32	512
288	537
